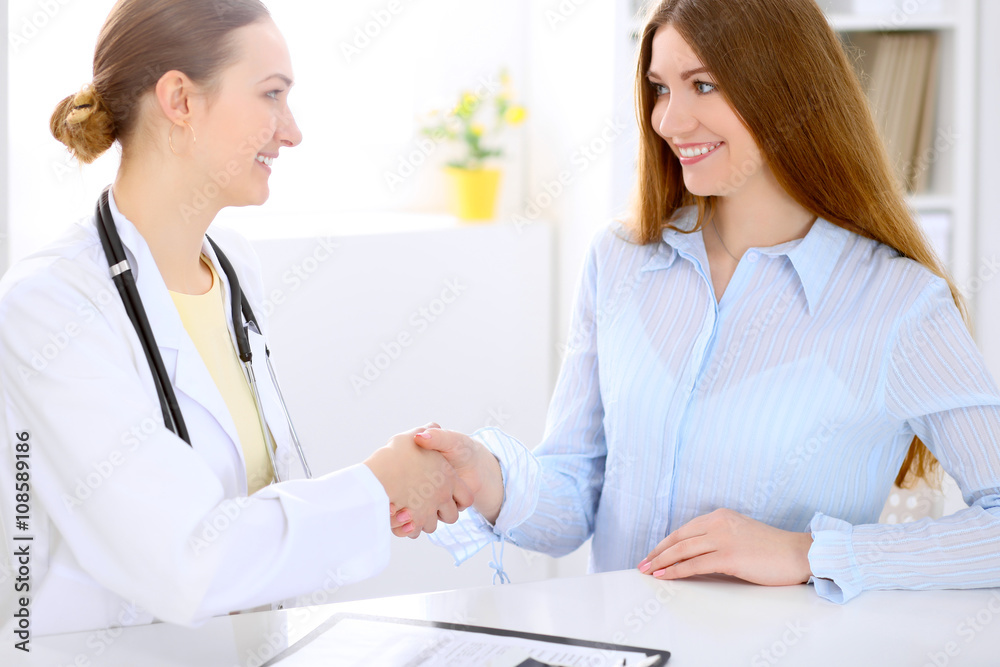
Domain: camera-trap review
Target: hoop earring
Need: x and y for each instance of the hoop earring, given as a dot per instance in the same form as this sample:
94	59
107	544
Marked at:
170	137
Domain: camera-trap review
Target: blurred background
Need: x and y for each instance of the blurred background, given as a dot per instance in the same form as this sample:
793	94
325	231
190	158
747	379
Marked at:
386	310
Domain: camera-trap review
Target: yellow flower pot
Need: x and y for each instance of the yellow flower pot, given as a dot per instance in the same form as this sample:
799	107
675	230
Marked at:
474	193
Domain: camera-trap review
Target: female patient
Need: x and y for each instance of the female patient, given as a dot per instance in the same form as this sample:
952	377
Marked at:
130	524
761	349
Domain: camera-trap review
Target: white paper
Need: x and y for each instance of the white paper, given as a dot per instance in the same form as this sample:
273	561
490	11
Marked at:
367	642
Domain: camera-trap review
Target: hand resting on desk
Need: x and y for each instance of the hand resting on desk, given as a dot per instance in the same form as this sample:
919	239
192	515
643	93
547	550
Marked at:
727	542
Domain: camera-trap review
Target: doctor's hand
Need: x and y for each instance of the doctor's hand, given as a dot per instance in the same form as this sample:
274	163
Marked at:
474	464
420	480
727	542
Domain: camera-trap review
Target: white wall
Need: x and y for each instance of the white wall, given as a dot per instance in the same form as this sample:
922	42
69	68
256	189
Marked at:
357	110
357	114
580	118
51	56
374	334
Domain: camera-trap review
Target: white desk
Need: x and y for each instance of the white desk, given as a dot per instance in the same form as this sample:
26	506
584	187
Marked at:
708	621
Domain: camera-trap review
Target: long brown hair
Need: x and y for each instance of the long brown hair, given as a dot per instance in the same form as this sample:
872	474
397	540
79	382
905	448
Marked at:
782	68
140	42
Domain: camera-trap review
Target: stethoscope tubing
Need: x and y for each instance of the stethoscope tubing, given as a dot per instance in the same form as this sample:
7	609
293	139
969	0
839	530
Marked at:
288	419
246	356
121	275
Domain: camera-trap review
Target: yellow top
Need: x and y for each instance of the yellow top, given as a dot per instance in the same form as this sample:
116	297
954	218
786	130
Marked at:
204	317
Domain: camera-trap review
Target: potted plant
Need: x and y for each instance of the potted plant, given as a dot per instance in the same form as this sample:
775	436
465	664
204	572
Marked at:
474	124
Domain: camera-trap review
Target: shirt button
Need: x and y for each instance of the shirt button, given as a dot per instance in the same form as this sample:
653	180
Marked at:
752	255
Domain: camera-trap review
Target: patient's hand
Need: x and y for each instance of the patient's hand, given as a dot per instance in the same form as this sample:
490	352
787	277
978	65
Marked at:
727	542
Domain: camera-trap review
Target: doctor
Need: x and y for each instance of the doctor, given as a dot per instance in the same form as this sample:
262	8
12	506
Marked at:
127	521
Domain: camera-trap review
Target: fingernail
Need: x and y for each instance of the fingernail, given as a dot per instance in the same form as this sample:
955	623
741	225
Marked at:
424	434
408	528
659	573
403	516
644	566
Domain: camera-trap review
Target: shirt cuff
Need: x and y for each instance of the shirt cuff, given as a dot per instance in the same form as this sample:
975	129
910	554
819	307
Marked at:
464	538
521	472
835	570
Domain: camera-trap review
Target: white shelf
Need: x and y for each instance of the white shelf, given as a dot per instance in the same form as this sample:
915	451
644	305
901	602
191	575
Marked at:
875	22
930	202
951	175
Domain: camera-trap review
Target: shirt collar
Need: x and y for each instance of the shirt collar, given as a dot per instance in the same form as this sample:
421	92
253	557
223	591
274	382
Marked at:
813	256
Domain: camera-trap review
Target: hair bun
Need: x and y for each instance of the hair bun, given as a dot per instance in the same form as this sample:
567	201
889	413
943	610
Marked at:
83	123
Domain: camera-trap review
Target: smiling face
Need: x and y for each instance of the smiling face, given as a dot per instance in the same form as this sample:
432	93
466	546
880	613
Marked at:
718	154
247	120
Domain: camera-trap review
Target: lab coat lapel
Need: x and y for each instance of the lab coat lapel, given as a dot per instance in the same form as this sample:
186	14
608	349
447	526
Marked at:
273	414
180	356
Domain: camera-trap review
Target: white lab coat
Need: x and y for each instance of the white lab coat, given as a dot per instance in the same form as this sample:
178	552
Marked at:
130	524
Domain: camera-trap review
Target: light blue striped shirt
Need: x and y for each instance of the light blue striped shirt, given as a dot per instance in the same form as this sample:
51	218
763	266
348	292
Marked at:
792	400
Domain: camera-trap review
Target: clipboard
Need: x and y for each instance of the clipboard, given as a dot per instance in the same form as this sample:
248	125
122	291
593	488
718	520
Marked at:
394	627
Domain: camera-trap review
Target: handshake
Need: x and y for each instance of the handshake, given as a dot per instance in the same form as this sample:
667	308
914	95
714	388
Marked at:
430	474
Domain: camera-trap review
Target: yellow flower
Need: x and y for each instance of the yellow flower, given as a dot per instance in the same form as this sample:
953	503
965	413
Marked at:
515	115
477	129
469	102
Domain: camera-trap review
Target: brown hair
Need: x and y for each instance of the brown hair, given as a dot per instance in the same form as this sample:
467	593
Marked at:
140	42
782	68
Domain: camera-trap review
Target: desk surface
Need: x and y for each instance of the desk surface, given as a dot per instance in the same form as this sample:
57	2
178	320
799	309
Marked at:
704	621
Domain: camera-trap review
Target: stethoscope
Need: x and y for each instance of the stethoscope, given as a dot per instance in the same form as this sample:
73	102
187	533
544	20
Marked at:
121	275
